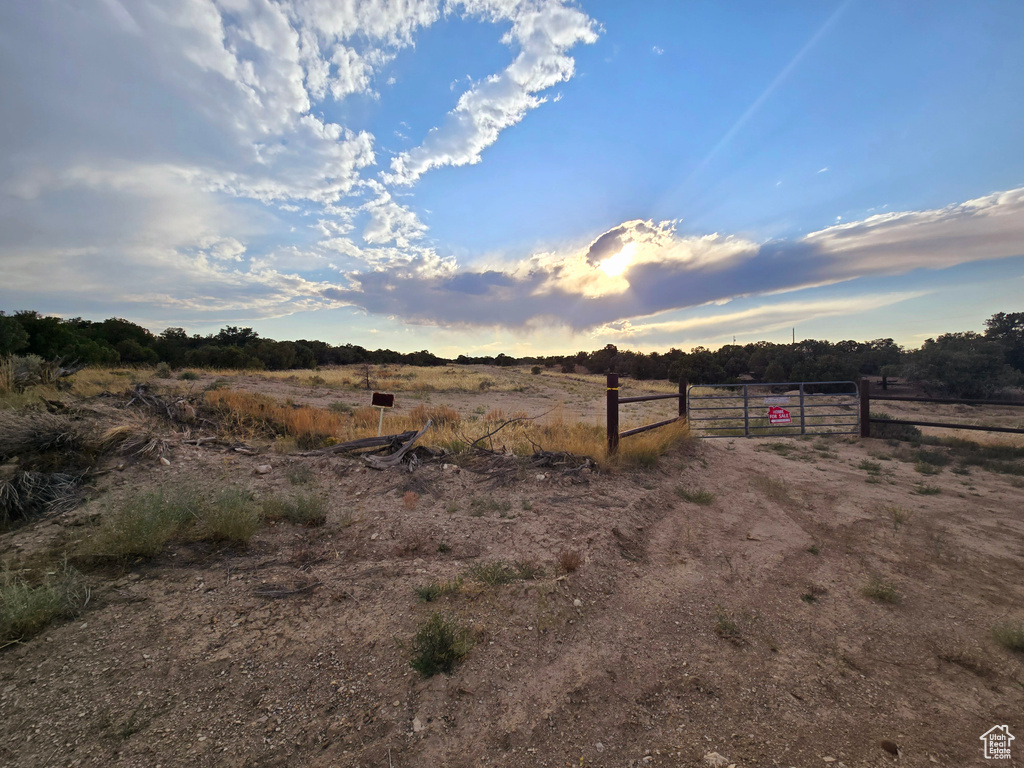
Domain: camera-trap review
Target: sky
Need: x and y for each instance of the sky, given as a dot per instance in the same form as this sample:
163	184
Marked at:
535	178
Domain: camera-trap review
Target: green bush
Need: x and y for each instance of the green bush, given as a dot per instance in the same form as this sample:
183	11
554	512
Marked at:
303	509
439	645
1010	635
139	528
233	516
26	609
906	432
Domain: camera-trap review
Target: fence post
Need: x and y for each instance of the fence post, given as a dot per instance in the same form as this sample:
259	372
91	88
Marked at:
682	397
613	412
865	408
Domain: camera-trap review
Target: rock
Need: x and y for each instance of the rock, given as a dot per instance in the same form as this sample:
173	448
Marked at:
715	760
263	469
889	746
577	603
165	461
396	703
417	725
829	759
541	477
599	747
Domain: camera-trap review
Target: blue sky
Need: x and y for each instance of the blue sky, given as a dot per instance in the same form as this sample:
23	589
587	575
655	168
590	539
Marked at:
528	177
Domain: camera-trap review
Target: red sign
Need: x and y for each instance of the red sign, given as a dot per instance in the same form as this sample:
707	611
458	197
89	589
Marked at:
779	416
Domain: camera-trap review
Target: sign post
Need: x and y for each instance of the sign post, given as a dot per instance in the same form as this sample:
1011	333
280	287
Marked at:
382	400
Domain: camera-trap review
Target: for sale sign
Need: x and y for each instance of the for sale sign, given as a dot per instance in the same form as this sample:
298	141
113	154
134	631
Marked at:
779	416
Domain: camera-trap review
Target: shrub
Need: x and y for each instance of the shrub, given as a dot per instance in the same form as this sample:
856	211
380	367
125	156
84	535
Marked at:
26	609
881	589
139	528
439	645
163	371
894	431
535	370
300	475
233	516
304	509
188	376
569	560
494	573
774	490
1010	635
434	590
695	495
726	626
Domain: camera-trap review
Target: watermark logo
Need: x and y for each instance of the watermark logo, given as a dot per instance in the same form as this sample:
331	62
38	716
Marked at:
997	742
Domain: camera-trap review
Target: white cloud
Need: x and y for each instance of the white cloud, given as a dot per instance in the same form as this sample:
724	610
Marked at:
657	51
391	222
543	32
662	271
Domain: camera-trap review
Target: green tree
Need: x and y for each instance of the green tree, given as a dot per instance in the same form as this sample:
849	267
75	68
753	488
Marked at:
965	365
12	336
1008	330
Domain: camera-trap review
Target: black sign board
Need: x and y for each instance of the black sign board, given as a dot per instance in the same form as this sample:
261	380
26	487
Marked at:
383	400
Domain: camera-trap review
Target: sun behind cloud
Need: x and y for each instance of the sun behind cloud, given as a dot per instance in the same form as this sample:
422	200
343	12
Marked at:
618	263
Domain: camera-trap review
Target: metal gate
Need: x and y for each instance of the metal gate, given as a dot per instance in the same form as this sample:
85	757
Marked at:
778	409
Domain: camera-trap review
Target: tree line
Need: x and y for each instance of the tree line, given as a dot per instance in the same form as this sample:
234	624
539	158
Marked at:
964	364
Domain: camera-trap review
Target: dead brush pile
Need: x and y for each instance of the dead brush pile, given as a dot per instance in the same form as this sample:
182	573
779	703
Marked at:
27	495
35	432
44	458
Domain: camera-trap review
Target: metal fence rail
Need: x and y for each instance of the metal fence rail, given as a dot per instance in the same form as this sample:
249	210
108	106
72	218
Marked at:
866	419
777	408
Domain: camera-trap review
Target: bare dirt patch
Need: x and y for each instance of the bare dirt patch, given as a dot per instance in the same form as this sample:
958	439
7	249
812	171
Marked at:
730	618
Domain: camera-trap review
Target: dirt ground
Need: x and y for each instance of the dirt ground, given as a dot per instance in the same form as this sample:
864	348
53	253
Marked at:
737	626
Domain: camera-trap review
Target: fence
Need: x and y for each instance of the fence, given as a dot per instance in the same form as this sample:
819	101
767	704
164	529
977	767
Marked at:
866	421
613	410
776	409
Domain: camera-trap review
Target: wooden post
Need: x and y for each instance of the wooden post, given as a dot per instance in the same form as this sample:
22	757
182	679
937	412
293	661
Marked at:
865	408
613	412
682	397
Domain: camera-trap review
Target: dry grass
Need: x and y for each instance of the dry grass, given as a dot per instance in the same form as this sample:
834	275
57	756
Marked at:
26	609
94	381
137	437
1010	635
303	509
397	378
233	517
569	560
6	375
140	527
882	590
253	414
27	495
29	432
772	489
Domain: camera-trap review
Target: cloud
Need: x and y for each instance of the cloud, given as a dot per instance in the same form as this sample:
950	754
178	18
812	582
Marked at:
390	222
544	32
824	170
758	319
657	51
666	271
